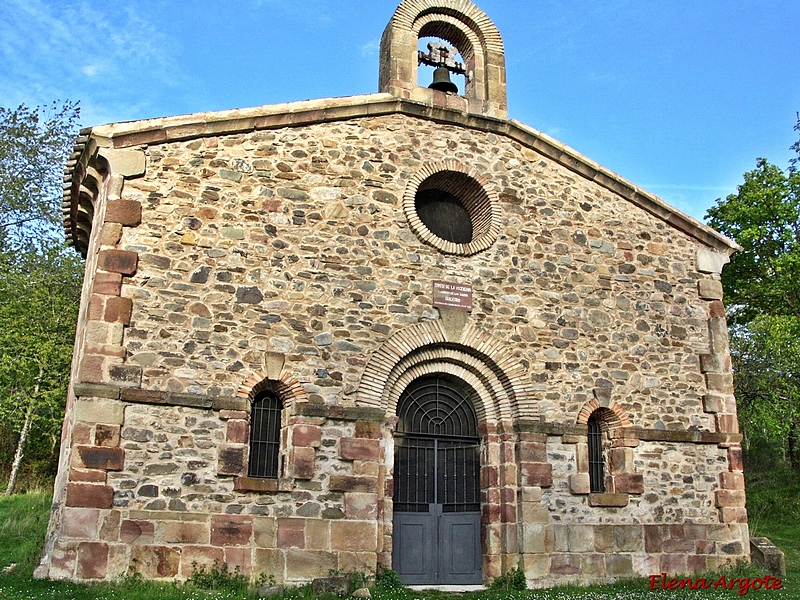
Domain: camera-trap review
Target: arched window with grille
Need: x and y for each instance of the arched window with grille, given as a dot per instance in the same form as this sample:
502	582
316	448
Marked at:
597	468
265	435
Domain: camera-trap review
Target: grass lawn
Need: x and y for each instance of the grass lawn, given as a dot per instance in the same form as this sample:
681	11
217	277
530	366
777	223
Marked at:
773	501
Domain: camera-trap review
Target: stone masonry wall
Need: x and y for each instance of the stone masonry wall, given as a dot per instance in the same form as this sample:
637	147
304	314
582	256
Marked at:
285	256
294	241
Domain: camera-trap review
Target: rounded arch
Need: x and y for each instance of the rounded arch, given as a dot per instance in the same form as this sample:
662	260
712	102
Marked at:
611	417
460	23
499	378
287	388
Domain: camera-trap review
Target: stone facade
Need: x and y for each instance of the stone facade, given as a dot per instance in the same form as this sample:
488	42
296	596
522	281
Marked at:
278	248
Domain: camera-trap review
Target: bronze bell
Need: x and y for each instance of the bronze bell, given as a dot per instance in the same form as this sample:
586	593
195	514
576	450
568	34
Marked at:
441	81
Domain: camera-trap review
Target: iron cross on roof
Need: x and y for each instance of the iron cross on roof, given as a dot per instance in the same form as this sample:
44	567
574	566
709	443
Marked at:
441	55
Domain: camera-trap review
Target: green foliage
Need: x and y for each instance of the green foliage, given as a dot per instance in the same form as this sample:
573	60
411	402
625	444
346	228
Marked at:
40	282
513	580
387	580
762	291
764	218
34	146
218	577
39	298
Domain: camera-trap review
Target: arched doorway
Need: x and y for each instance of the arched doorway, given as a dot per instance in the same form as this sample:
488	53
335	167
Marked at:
437	517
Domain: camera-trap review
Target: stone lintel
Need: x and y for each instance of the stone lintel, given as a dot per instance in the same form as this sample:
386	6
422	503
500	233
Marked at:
614	500
257	484
340	413
95	390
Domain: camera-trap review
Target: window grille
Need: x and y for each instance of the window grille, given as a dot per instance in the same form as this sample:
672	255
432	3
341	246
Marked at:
265	432
437	447
596	462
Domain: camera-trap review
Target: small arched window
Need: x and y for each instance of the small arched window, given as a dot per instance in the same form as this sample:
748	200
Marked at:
265	433
597	469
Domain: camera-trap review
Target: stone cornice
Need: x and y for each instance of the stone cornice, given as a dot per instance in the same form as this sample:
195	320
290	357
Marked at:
297	114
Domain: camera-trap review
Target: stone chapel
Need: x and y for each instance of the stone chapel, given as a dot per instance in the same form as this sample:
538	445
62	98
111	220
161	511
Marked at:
397	329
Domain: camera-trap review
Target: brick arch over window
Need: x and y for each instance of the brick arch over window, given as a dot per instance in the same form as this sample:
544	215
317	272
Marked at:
611	417
287	388
500	378
460	23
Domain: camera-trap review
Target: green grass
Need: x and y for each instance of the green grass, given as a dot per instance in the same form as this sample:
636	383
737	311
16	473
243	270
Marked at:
773	504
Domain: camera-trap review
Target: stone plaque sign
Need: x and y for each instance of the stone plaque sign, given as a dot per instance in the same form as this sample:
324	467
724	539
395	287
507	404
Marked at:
452	295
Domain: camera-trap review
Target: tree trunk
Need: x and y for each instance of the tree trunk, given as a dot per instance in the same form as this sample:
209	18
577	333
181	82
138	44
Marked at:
23	437
794	450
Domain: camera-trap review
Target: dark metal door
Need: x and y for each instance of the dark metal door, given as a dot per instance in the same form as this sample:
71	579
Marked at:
437	492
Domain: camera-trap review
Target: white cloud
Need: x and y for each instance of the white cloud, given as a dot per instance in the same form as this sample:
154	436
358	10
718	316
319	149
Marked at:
371	48
73	50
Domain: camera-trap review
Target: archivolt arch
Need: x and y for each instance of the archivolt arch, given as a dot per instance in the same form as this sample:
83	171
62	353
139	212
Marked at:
497	376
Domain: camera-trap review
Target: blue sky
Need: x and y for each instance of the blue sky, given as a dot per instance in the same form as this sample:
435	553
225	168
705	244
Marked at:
678	96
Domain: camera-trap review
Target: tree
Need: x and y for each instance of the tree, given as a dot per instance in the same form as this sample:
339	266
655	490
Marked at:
762	288
40	281
34	145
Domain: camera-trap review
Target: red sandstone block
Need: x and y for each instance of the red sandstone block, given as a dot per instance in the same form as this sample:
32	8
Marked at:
118	310
534	452
673	563
733	514
540	474
106	435
97	306
727	423
108	284
91	370
301	462
653	538
89	495
629	483
199	556
81	523
141	532
96	457
727	498
87	475
368	429
704	547
238	432
696	564
735	462
118	261
508	513
306	435
239	557
156	562
291	533
731	481
125	212
490	476
360	506
359	449
620	460
92	560
182	532
716	309
231	460
231	530
350	483
720	382
81	434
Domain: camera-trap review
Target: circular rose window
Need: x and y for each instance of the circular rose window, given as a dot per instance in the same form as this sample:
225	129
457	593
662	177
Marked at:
451	209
